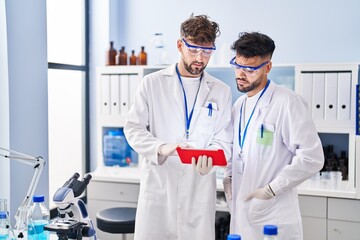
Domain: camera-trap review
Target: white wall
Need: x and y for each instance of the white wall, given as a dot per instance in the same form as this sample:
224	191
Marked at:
4	105
27	80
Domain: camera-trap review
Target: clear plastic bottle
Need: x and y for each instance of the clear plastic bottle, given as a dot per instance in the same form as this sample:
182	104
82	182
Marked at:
4	226
116	149
270	232
39	217
233	237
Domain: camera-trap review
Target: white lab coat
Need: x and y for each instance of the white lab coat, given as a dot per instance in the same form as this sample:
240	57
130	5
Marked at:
175	202
291	153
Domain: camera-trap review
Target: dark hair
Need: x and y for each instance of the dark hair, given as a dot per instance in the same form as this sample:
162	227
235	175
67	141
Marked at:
253	44
199	29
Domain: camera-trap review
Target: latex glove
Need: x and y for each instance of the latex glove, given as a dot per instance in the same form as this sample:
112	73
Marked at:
227	188
203	164
264	193
167	150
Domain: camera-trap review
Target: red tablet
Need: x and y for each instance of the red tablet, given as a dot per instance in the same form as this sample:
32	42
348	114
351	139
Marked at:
186	154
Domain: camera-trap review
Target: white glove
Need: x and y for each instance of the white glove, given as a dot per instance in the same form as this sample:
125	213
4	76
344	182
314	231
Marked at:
227	188
264	193
203	165
167	150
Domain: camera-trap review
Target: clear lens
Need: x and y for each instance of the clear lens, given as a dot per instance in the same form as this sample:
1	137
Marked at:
247	70
195	50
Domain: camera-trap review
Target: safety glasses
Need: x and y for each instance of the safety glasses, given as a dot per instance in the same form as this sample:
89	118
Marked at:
195	50
248	70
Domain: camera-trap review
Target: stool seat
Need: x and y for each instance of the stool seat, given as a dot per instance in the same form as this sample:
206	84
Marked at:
116	220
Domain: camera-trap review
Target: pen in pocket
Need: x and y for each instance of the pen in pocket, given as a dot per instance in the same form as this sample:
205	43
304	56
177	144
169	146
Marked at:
210	109
262	131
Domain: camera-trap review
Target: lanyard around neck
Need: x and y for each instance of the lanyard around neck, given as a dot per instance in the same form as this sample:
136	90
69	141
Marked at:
187	116
242	139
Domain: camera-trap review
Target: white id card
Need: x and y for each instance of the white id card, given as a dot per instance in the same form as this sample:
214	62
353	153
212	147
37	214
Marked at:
240	163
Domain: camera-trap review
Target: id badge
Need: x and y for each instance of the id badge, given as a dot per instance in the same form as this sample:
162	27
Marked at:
189	142
240	163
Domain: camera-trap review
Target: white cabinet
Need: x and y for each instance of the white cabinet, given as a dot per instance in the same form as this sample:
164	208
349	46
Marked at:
103	194
330	92
343	219
115	89
313	212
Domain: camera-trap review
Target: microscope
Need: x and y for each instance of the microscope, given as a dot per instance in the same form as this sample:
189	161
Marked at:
73	221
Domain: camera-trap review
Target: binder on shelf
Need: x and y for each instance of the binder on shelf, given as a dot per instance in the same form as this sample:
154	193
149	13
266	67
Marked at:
105	94
344	95
124	93
357	110
307	88
331	93
318	96
114	95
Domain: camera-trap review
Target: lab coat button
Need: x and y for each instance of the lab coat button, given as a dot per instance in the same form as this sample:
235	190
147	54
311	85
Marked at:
181	173
179	205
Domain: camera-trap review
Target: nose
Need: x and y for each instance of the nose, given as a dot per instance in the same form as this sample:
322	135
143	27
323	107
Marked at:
199	56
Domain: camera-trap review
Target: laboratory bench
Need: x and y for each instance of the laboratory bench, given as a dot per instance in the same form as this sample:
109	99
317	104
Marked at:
327	214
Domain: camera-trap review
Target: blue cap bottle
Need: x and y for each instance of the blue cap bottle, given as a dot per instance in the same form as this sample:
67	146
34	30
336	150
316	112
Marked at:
233	237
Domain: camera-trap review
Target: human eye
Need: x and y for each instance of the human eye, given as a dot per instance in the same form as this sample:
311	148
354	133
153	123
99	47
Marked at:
207	52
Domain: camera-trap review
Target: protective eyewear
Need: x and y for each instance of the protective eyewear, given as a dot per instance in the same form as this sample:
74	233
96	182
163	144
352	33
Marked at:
248	70
195	50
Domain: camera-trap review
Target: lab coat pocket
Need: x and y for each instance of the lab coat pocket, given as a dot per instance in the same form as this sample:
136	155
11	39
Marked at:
261	211
265	134
154	182
265	140
205	126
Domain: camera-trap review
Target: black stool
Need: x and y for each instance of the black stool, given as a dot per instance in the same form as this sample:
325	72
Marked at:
116	220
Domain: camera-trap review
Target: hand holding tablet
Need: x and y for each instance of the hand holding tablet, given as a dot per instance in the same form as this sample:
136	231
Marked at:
217	155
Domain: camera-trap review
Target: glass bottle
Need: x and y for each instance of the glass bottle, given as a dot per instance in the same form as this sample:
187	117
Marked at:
39	217
123	56
132	58
117	57
270	232
111	55
142	56
4	226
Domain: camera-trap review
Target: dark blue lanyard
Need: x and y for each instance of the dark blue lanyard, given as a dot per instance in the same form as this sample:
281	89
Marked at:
187	117
242	140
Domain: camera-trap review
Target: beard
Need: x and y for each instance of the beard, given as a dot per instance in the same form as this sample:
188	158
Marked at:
193	70
250	87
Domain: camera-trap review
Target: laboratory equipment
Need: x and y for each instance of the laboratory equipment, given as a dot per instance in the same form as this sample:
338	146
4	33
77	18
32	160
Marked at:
116	149
39	217
142	59
270	232
111	55
73	221
4	226
233	237
133	58
38	164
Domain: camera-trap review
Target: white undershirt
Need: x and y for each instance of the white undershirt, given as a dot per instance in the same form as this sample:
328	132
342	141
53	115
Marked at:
191	86
249	105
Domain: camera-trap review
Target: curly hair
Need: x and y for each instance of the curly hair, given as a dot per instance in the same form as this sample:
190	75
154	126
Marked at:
199	29
253	44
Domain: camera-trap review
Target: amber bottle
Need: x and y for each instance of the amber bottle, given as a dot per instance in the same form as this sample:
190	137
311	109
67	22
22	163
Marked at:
123	56
142	57
111	55
132	58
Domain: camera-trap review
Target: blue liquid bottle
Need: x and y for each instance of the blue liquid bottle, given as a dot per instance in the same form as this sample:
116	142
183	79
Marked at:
4	226
39	217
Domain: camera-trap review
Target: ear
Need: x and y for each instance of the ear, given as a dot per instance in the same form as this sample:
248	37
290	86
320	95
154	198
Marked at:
268	67
179	45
